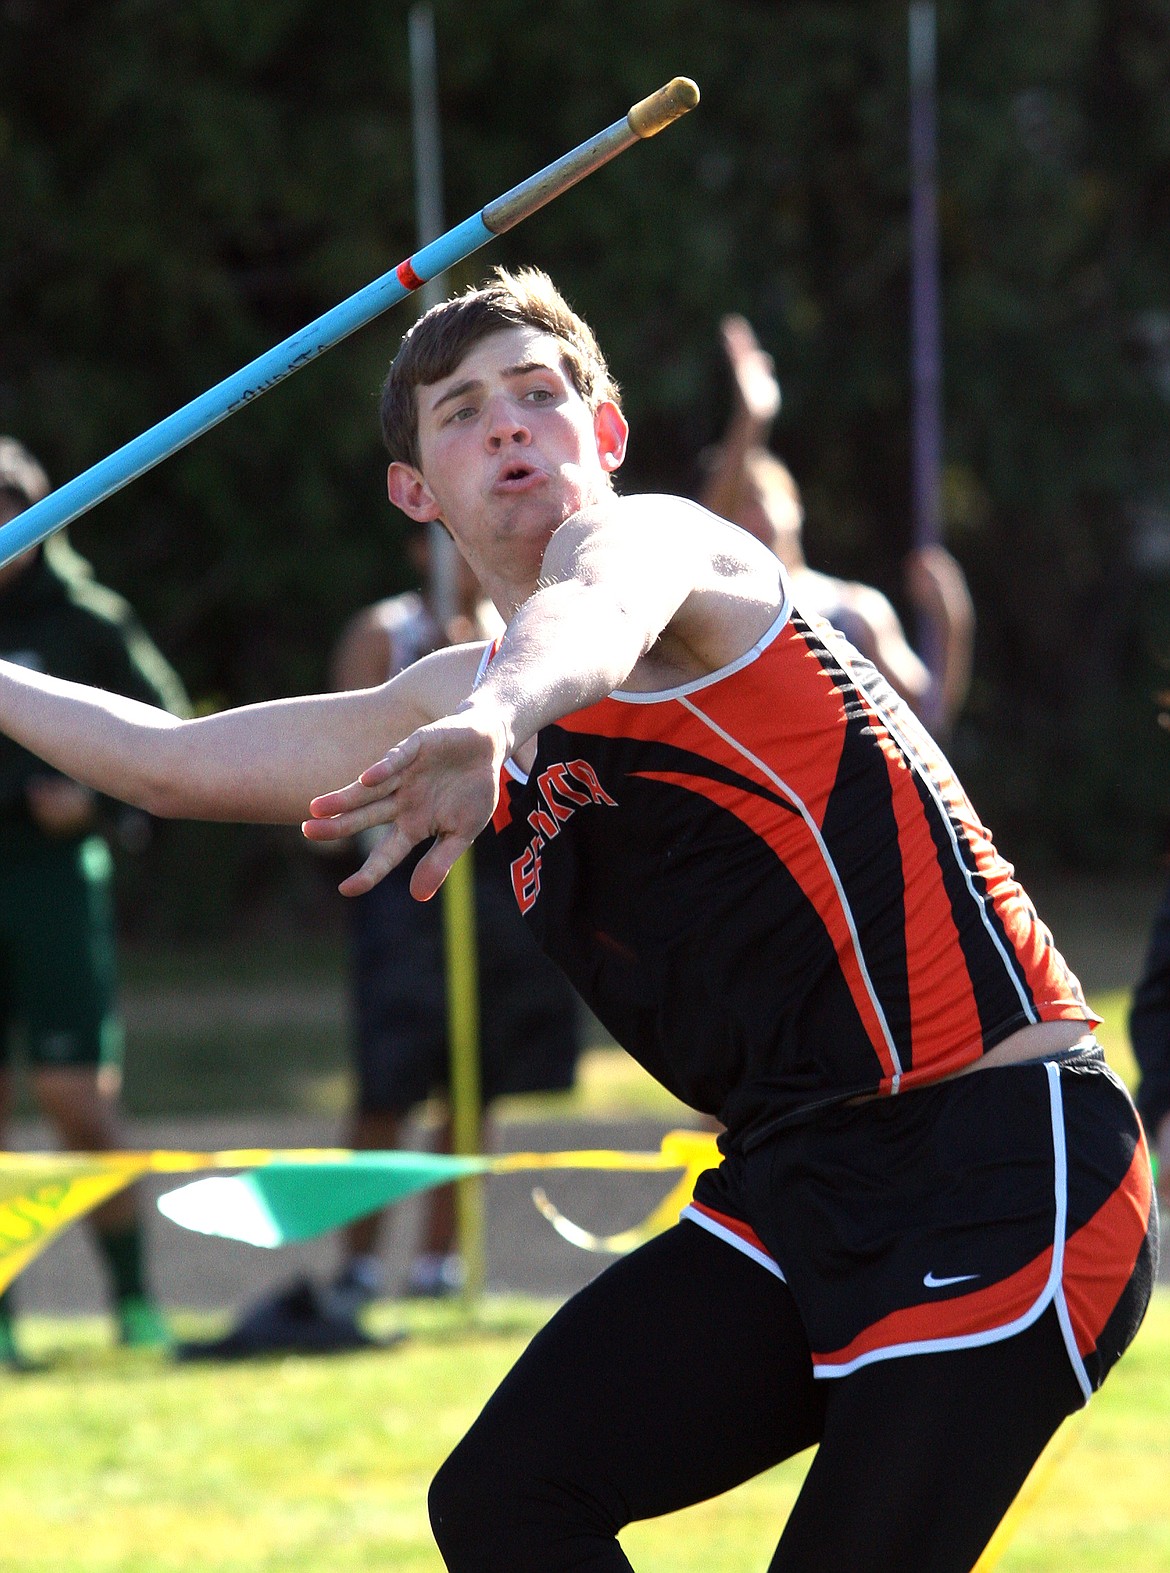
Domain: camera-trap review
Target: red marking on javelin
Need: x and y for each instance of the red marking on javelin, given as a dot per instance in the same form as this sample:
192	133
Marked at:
407	277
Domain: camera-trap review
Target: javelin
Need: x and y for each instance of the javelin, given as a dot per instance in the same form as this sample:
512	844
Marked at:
102	480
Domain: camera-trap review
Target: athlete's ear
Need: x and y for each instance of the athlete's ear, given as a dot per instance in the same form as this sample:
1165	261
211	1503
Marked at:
409	491
611	433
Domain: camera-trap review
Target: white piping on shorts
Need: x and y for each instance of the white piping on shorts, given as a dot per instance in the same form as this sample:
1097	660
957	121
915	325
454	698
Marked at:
722	1232
1051	1294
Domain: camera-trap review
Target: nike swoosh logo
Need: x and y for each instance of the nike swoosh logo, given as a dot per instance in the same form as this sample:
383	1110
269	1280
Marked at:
932	1282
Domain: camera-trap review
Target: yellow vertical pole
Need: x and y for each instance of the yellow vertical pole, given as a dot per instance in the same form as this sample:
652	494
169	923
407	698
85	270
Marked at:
463	1043
458	893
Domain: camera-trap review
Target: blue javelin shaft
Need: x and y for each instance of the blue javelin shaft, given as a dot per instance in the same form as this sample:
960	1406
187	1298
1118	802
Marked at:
109	475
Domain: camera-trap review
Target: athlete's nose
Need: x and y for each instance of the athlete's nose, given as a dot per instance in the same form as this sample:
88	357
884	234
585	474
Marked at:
504	423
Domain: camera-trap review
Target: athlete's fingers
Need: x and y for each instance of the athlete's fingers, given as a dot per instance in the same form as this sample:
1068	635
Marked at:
323	829
356	795
330	804
338	826
738	335
392	763
383	857
436	865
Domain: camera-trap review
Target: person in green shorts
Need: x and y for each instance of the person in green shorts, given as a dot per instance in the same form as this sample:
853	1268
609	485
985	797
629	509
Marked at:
57	935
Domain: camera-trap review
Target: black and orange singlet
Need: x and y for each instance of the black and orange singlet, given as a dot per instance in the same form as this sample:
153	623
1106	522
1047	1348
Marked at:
770	887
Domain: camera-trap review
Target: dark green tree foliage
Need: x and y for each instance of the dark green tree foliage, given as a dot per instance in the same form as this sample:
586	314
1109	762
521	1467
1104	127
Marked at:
185	185
181	185
1055	243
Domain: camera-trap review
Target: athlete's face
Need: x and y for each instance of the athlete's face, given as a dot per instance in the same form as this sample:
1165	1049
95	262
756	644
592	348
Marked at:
509	450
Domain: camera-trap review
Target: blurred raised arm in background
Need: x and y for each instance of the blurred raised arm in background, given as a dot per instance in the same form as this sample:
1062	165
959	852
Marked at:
747	484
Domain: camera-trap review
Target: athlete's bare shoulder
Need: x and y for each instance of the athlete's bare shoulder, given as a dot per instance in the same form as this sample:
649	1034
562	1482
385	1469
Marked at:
739	590
707	590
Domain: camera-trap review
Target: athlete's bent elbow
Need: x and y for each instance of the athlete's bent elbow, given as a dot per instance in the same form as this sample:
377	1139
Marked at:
165	782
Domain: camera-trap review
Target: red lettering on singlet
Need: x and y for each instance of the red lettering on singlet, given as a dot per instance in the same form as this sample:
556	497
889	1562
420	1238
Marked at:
544	824
526	875
546	821
557	776
545	782
585	772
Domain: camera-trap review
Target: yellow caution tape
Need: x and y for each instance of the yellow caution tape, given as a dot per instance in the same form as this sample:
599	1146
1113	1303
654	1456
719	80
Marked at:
42	1193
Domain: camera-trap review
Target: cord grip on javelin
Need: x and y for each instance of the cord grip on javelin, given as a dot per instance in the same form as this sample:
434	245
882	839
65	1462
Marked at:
646	119
651	115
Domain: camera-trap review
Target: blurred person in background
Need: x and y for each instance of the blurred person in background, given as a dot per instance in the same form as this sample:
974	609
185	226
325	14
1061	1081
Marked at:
1149	1032
529	1014
746	483
1149	1025
57	931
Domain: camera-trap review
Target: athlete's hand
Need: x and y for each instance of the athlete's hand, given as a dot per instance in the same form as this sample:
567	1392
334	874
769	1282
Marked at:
937	586
441	781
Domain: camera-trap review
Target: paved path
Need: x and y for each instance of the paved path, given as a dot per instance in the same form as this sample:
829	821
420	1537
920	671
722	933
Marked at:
524	1252
193	1010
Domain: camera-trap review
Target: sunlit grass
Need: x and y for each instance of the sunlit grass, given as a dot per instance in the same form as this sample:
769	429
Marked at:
119	1463
1113	1033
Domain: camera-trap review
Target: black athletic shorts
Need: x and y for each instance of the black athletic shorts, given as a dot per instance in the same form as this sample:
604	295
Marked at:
529	1014
954	1215
58	970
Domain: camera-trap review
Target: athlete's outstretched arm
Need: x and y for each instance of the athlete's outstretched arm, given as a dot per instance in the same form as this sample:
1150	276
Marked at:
261	763
614	577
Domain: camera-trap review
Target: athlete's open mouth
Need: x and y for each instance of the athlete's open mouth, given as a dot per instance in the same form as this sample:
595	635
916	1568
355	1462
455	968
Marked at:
516	473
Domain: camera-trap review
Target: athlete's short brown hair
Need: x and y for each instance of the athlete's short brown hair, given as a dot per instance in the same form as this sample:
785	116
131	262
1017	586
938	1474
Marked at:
441	338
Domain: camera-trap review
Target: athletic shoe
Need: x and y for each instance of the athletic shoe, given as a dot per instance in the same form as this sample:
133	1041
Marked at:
141	1324
435	1277
356	1285
11	1358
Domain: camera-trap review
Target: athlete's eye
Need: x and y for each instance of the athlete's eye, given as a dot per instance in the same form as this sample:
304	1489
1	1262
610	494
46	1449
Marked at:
540	395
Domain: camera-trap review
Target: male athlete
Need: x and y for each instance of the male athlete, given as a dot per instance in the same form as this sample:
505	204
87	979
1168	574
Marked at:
932	1231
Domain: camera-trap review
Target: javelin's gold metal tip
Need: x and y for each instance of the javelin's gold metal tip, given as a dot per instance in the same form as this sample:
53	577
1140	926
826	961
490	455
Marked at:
652	115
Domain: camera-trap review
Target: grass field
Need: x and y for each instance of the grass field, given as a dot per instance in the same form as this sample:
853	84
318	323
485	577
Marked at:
179	1065
120	1463
117	1463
